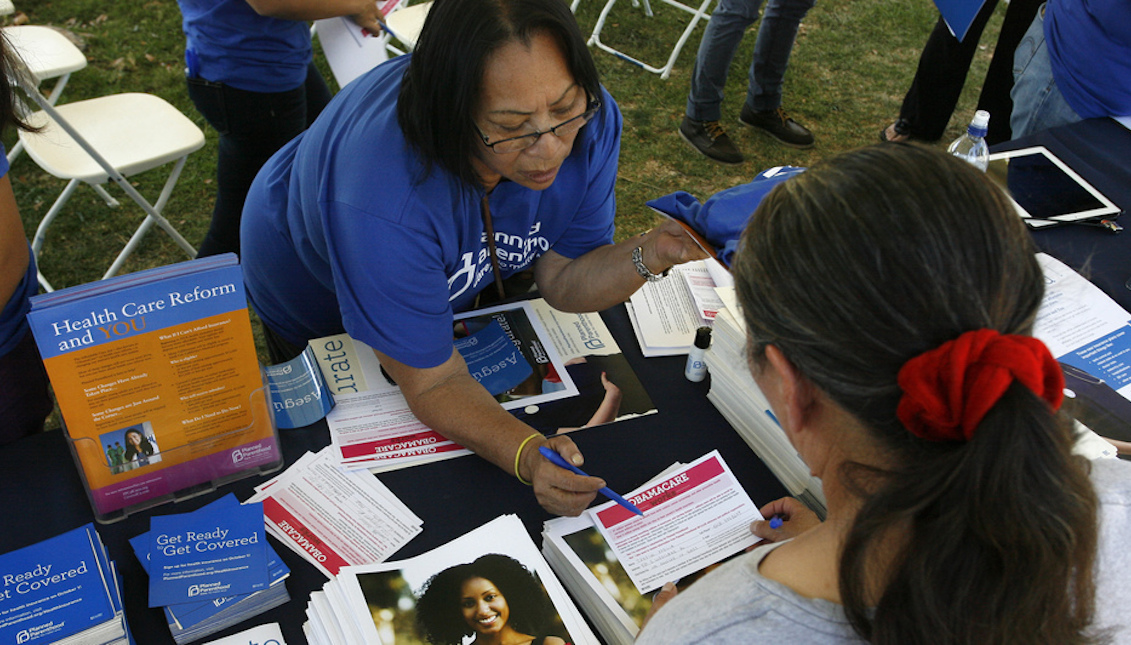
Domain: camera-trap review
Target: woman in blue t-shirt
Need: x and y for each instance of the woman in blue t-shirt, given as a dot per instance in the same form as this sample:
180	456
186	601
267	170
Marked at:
250	73
25	400
489	152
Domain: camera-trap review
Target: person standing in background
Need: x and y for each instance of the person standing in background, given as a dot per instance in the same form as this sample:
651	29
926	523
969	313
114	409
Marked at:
250	73
762	110
1074	63
941	74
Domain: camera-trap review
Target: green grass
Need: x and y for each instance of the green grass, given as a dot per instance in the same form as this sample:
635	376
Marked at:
850	67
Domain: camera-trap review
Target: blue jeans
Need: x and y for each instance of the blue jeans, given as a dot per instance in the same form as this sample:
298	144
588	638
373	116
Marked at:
721	38
252	126
1037	102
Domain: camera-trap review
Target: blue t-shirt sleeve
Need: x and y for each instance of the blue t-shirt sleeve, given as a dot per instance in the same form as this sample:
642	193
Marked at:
396	306
593	224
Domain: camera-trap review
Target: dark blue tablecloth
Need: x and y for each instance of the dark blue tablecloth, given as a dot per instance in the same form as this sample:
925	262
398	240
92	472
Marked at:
42	495
1100	151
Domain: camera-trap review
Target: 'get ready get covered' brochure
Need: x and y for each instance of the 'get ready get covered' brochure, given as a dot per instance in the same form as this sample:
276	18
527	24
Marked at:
198	556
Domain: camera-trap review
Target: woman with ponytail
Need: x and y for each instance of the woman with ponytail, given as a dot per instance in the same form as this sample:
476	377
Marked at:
889	295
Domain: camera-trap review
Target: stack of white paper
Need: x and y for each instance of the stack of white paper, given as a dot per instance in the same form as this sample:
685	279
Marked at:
666	313
738	398
371	425
335	517
577	552
695	516
375	604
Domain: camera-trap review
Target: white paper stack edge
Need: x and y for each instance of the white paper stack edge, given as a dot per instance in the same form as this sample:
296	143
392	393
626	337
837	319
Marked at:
597	602
737	397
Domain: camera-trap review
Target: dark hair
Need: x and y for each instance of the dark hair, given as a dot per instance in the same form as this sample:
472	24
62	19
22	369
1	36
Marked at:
143	446
11	67
441	89
438	614
851	269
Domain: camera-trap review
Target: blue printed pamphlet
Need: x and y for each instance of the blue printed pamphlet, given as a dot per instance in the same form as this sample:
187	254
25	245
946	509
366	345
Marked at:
493	358
58	588
299	396
215	552
194	620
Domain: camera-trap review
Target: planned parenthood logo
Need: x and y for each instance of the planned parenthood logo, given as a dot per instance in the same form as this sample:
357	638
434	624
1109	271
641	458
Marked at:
250	453
37	632
208	588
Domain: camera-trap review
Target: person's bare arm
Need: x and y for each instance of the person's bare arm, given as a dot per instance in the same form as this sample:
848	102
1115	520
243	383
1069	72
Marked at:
13	243
447	399
363	12
606	275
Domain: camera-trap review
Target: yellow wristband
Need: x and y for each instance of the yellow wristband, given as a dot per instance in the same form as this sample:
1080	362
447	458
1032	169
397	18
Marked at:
518	455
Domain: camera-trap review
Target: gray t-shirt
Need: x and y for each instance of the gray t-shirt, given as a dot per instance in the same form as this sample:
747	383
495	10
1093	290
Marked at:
735	604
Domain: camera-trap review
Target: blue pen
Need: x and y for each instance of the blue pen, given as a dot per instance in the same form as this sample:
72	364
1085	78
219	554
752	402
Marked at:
776	522
559	461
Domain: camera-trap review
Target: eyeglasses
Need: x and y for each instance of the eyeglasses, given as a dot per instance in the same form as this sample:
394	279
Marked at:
514	144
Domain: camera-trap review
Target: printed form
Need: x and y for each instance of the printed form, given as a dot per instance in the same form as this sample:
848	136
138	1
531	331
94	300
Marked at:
665	314
335	517
694	516
1083	326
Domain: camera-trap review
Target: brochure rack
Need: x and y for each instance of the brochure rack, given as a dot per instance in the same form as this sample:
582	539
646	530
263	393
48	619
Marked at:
176	473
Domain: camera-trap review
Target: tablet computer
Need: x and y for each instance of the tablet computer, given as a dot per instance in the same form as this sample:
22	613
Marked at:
1045	190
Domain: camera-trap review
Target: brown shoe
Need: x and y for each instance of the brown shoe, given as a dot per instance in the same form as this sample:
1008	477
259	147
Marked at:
710	140
777	124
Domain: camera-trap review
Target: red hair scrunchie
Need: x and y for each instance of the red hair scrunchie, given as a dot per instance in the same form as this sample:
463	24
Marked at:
948	391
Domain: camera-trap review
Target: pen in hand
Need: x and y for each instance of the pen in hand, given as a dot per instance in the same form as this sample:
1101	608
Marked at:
560	462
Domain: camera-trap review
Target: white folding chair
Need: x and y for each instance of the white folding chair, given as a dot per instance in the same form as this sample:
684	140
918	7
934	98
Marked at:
405	23
47	54
697	14
110	138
